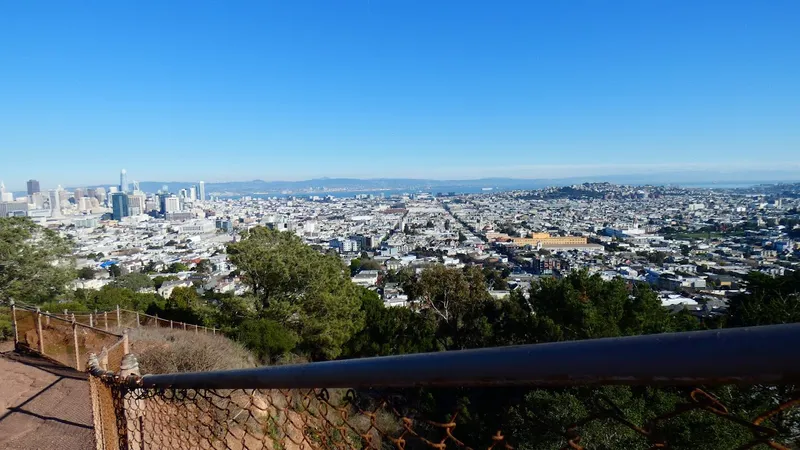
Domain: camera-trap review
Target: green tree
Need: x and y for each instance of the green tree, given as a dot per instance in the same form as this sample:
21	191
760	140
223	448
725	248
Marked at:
204	267
134	281
86	273
355	266
390	331
299	288
449	292
177	267
183	298
767	301
159	280
370	264
150	267
114	270
495	279
266	338
35	262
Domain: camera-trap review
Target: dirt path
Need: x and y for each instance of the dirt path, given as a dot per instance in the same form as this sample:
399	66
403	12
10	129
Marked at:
43	405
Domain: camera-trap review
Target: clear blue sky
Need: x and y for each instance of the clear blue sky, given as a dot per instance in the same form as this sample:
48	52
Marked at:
293	89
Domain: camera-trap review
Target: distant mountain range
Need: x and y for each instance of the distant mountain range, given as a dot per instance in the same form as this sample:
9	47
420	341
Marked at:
327	185
332	185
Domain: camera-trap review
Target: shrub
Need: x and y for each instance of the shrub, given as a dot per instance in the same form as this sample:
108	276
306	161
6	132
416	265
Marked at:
267	339
6	331
170	351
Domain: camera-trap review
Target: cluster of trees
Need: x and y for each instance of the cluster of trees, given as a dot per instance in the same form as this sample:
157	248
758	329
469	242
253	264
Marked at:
302	302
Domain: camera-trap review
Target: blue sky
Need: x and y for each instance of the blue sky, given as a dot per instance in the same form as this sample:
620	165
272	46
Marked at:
233	90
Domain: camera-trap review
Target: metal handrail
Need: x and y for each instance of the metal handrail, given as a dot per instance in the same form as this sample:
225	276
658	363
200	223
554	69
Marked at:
735	355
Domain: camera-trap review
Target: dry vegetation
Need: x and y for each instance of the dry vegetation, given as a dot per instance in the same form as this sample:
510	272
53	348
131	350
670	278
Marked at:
161	350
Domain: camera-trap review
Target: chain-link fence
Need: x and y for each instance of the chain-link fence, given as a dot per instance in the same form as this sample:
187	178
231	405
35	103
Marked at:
411	418
25	328
67	341
732	388
589	394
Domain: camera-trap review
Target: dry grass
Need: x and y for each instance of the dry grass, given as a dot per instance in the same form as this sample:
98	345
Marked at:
161	350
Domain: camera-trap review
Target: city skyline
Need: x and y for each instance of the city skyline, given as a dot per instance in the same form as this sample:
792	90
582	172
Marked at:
373	89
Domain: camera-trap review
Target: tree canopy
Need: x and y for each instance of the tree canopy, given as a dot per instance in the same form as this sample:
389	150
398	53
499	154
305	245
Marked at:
36	263
303	290
134	281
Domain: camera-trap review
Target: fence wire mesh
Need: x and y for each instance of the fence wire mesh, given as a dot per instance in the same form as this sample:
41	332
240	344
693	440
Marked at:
104	410
59	342
26	328
112	357
416	418
129	319
93	341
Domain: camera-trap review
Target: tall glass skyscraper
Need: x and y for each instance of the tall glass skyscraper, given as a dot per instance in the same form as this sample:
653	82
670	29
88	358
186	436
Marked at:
119	204
123	181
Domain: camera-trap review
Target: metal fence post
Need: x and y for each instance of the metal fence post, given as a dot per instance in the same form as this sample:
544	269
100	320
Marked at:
91	320
195	329
47	318
97	411
104	358
105	320
134	431
214	330
137	320
184	325
75	342
170	324
39	330
119	324
125	343
14	322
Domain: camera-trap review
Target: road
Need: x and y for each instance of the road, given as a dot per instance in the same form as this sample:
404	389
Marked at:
43	405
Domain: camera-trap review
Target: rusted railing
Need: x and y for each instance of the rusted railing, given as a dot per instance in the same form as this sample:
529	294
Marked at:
555	395
730	388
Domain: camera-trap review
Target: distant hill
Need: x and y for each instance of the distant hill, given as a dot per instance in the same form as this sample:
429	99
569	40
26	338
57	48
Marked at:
323	185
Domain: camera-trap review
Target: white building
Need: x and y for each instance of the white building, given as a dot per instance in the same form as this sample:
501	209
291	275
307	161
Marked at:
55	202
172	204
84	204
5	196
366	278
197	227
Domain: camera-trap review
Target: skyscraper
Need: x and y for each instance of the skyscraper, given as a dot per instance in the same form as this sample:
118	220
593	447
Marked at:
193	193
119	203
33	187
170	204
100	194
202	193
123	181
5	196
55	203
137	203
